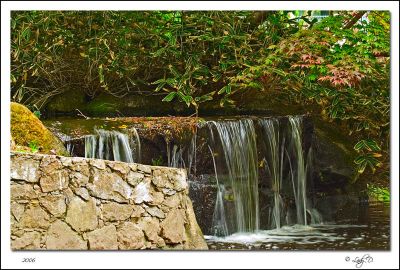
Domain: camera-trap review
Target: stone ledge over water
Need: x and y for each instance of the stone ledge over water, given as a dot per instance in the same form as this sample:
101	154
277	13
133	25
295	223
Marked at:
60	203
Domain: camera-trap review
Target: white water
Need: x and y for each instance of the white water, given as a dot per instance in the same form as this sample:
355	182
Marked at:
110	145
219	226
238	140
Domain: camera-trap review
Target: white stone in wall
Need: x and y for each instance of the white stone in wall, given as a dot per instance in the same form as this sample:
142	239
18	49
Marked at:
142	193
110	186
25	170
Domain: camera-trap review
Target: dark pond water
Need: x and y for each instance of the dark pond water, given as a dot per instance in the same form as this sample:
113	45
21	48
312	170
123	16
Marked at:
368	230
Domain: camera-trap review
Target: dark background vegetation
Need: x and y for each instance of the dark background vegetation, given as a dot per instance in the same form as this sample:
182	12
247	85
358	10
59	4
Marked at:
333	65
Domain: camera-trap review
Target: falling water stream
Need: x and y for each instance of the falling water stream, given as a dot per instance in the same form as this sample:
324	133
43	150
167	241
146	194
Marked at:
111	145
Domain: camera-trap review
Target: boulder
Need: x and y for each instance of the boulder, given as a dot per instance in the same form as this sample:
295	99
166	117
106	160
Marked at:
27	129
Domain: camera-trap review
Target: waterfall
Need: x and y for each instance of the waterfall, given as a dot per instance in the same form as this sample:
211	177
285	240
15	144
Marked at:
300	171
219	226
238	140
111	145
274	162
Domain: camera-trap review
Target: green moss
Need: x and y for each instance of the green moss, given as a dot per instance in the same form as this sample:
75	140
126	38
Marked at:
27	129
104	105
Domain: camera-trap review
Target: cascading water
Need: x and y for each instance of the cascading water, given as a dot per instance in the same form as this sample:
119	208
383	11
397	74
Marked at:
274	164
219	226
299	171
111	145
287	169
238	140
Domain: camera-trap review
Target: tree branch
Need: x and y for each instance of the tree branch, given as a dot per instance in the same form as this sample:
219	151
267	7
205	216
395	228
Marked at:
354	20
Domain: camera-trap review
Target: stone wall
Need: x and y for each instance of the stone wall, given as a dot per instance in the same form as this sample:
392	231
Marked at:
60	203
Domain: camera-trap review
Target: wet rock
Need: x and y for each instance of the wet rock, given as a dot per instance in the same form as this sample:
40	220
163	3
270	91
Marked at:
172	227
115	211
130	236
103	239
35	217
60	236
110	186
55	204
29	240
25	169
81	215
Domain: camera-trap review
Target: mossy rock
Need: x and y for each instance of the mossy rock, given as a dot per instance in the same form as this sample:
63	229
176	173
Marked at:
27	129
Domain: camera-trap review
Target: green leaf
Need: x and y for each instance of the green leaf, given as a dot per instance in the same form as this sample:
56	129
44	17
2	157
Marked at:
368	144
169	97
226	89
185	98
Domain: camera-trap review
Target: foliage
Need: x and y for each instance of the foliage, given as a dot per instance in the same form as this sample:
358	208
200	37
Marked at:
157	161
33	145
185	54
340	64
378	193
